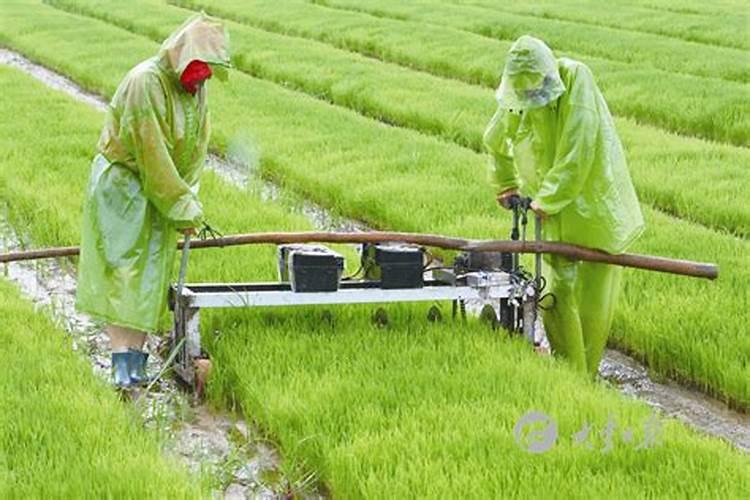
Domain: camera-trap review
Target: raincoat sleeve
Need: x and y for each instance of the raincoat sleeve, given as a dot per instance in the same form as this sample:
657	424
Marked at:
575	153
498	138
144	127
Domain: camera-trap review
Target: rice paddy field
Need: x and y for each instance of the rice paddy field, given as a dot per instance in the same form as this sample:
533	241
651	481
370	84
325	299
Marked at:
375	110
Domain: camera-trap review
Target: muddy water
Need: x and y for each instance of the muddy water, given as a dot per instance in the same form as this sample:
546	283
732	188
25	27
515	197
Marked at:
51	79
236	171
692	407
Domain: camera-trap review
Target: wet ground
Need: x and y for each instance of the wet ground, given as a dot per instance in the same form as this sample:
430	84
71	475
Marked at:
225	444
692	407
237	171
51	79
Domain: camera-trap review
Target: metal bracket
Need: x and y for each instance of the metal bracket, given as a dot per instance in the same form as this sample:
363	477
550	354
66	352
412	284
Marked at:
186	336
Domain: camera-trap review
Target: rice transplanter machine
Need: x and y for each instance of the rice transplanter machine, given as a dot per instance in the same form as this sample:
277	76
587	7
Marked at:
389	272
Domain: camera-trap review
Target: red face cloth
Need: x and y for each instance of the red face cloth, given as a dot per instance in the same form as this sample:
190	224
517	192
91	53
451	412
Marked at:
195	73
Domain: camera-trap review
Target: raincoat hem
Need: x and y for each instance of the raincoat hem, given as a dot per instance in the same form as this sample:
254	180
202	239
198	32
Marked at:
110	320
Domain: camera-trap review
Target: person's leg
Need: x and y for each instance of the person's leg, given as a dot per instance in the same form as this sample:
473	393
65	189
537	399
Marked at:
597	291
128	361
562	321
122	339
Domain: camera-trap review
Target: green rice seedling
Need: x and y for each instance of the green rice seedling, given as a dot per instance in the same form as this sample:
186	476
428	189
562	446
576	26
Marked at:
608	43
396	95
689	7
357	168
63	431
719	25
710	106
423	410
350	80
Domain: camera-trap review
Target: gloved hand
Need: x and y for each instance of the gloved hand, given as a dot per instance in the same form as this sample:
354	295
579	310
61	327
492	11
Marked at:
503	199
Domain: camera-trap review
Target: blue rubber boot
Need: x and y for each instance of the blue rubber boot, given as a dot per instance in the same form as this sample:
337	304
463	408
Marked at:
120	371
137	367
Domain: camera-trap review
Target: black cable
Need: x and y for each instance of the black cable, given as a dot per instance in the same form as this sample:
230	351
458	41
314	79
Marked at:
547	308
543	284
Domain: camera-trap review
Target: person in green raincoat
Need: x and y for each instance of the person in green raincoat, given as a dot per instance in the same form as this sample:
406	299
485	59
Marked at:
143	188
553	139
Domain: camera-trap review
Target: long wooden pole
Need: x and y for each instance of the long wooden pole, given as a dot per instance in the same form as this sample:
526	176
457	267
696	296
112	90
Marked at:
646	262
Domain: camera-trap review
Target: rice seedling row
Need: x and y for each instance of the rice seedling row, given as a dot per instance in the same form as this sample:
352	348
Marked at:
608	43
396	95
63	431
710	107
725	29
691	6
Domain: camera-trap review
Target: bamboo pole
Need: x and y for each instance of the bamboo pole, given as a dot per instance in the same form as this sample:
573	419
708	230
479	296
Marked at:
574	252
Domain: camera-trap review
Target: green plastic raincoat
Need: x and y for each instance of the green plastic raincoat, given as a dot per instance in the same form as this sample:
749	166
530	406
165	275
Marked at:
554	139
144	180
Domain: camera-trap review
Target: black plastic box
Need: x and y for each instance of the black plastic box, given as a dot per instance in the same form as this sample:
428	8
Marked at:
310	268
401	266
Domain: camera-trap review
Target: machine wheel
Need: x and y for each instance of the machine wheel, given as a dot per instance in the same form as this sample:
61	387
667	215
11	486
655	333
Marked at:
434	315
326	317
380	318
489	316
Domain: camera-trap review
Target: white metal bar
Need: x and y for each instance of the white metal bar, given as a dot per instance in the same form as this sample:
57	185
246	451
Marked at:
344	296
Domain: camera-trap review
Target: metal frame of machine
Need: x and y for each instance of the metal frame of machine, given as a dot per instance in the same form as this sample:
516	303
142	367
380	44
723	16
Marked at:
515	291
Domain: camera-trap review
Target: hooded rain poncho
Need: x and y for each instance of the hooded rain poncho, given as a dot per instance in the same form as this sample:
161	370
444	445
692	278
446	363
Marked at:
554	139
144	180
